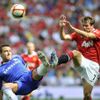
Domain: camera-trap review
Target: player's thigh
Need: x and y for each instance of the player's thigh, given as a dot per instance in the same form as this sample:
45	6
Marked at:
89	70
77	59
87	88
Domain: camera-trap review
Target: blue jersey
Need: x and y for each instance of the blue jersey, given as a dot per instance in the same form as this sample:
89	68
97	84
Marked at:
12	70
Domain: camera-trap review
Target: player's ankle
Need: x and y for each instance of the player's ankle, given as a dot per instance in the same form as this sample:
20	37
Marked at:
42	70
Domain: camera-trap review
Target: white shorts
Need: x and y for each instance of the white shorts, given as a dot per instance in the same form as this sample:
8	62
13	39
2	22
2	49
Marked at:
89	70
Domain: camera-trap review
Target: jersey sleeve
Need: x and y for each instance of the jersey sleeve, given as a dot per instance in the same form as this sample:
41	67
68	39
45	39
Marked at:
73	36
21	59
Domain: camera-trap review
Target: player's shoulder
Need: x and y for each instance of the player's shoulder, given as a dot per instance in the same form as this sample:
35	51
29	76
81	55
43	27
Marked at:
16	56
74	34
96	30
26	53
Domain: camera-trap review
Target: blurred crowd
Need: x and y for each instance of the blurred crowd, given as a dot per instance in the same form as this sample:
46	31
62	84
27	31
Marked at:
40	25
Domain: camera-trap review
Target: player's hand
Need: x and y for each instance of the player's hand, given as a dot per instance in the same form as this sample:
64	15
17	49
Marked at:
68	24
62	21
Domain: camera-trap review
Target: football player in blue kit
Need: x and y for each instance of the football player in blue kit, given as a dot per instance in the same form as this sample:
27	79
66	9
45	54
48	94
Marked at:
15	75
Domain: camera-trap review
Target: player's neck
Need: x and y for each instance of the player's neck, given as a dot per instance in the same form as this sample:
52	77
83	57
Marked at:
30	54
5	61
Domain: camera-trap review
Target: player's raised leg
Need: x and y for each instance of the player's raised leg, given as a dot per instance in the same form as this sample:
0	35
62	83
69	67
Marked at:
43	67
43	58
64	58
77	59
54	60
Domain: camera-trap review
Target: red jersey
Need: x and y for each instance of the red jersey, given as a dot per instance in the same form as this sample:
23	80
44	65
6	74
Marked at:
32	61
90	48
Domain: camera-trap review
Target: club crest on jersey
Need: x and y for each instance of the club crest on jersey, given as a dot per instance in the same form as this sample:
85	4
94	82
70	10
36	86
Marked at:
87	44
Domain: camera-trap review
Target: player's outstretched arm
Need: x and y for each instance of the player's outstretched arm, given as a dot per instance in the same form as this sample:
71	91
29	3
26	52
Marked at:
62	25
81	32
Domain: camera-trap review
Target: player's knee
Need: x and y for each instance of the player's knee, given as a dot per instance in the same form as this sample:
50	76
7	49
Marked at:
76	58
13	86
76	53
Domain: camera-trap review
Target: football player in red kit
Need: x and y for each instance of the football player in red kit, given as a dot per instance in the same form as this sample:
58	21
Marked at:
32	61
31	57
86	58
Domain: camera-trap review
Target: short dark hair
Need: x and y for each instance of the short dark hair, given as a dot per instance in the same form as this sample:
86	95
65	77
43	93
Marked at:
3	45
87	19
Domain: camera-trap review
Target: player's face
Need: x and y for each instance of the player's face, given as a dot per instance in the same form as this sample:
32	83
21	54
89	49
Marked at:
87	27
6	53
30	47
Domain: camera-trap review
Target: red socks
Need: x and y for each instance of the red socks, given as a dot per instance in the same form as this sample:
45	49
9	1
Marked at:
70	54
26	98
